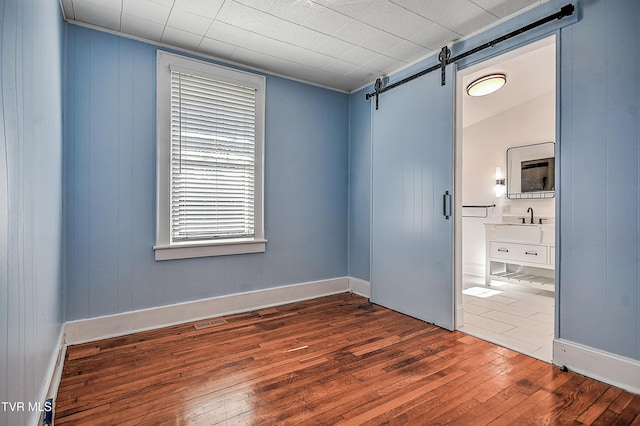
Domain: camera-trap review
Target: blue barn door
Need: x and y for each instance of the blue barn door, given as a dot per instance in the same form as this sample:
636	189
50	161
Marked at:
412	183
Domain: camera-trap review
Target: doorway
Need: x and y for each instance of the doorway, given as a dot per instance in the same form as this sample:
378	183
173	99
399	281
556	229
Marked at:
505	277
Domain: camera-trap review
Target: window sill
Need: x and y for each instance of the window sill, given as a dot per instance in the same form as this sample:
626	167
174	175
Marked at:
222	248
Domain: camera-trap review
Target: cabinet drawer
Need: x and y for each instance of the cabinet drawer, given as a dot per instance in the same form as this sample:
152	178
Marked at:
519	252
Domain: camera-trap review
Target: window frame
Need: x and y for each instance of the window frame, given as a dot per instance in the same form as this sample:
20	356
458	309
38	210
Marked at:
164	248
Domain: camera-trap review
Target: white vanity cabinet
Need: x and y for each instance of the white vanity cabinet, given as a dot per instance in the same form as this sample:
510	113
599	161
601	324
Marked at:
524	254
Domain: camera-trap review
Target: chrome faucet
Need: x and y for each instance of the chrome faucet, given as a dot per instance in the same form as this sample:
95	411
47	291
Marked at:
530	210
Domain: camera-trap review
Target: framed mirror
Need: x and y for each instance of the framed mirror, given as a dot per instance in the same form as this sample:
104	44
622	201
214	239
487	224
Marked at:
531	171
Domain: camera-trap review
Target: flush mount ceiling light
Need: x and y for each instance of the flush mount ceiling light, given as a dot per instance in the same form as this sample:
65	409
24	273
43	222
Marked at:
486	85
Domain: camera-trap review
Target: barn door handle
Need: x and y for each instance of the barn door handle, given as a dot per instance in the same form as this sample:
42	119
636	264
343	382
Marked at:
446	205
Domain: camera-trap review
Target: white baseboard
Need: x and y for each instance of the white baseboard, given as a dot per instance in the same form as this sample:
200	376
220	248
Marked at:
606	367
459	315
477	269
360	287
91	329
52	377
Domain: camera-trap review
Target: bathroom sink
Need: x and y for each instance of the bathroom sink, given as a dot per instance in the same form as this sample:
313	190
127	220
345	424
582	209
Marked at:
518	233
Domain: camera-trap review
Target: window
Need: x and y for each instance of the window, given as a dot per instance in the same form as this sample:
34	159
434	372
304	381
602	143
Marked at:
210	140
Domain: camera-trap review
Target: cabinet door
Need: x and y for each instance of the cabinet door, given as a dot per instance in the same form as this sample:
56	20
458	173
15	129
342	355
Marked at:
412	168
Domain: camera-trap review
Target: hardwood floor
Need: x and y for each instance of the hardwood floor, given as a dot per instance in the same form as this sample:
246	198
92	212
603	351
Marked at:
332	360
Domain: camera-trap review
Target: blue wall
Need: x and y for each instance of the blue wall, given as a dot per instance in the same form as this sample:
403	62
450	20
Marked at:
31	144
110	197
317	187
599	208
359	185
600	178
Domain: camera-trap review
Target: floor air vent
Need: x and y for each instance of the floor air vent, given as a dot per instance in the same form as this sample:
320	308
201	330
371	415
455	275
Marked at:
208	323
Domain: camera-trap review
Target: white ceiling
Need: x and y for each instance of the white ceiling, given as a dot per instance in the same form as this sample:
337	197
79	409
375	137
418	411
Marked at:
341	44
530	71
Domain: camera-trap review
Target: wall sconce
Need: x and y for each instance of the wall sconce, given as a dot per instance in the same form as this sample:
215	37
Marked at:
500	183
486	85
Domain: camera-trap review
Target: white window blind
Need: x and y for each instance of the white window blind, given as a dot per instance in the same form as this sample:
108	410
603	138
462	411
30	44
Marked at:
213	159
210	159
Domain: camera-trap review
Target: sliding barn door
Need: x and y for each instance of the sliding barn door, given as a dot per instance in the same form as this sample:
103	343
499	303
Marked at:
412	182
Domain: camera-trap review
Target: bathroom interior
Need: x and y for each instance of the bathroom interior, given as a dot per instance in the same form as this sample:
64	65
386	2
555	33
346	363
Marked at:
506	152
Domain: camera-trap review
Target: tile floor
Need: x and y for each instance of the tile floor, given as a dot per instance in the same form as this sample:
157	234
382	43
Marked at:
511	315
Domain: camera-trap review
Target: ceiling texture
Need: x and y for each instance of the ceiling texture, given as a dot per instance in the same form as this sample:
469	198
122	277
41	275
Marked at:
340	44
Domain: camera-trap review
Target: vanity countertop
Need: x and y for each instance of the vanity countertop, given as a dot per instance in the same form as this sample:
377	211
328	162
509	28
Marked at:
519	224
518	232
517	220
